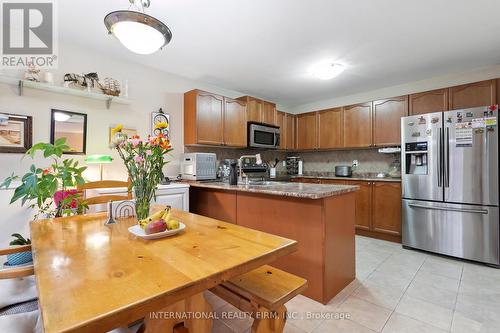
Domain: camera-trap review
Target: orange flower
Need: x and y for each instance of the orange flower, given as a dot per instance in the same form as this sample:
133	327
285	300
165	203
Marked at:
165	144
46	171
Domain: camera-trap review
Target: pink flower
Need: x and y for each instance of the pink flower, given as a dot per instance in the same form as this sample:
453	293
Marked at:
138	159
135	142
149	152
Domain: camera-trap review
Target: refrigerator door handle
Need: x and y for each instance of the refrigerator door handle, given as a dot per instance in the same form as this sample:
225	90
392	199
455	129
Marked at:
447	159
453	209
440	158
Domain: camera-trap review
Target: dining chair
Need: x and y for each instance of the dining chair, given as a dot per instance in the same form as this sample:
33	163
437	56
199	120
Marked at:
18	296
102	184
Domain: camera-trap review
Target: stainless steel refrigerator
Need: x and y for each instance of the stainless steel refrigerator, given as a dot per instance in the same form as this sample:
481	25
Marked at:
449	167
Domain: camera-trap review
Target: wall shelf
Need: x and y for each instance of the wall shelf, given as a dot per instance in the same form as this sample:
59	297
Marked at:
22	84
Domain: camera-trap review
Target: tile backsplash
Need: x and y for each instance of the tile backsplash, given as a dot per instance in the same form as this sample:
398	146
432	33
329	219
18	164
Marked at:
369	160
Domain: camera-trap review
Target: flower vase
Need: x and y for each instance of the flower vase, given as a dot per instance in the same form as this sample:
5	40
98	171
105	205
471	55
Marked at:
141	203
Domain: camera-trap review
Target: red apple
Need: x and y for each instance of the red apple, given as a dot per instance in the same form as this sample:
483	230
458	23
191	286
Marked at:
155	227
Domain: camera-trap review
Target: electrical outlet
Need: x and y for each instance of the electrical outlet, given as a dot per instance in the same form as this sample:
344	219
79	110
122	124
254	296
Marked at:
284	163
355	163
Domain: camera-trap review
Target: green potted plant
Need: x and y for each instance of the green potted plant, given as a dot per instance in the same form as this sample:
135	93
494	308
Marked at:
50	190
20	258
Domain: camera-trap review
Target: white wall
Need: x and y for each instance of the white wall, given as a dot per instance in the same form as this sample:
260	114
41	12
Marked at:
148	89
478	74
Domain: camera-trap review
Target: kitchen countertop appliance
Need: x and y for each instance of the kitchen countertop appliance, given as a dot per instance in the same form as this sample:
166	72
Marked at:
450	183
263	136
343	171
198	166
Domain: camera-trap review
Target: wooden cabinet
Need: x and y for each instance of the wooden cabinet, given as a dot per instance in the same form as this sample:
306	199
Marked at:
203	118
473	94
330	128
254	108
217	204
429	101
235	123
306	180
307	129
378	206
290	131
332	181
387	115
281	123
259	111
268	113
386	210
363	204
357	125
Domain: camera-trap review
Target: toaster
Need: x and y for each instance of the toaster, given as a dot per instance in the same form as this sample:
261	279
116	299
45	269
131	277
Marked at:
198	166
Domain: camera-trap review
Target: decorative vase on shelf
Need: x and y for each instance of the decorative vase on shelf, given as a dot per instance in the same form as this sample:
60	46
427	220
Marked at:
144	160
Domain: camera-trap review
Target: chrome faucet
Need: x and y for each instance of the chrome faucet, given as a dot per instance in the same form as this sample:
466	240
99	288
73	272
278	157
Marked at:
240	166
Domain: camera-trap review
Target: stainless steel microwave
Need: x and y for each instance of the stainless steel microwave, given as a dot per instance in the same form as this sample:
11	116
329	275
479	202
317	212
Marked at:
263	136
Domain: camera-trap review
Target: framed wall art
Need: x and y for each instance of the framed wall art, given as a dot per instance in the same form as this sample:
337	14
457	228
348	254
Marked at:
130	132
16	133
157	118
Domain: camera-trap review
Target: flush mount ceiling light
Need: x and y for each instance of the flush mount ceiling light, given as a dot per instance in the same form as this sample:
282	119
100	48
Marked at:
137	31
327	71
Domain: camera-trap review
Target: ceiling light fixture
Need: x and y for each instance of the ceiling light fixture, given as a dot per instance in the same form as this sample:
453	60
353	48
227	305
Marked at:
137	31
327	71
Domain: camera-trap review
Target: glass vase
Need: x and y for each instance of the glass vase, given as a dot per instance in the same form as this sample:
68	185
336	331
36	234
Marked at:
141	203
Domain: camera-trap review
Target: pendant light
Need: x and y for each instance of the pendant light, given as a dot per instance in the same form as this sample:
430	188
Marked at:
137	31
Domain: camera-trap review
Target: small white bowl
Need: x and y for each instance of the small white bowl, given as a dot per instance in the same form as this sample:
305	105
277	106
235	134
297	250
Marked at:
139	232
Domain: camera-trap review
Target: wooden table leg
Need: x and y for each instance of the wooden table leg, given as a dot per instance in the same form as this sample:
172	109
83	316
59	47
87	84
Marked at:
156	322
198	313
198	306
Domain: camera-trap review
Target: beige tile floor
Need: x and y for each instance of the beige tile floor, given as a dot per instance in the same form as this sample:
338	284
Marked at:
396	290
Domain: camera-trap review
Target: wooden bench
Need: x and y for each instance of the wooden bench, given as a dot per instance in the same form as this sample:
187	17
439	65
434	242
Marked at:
263	293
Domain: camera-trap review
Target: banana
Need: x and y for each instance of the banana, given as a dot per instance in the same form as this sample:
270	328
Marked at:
167	214
156	216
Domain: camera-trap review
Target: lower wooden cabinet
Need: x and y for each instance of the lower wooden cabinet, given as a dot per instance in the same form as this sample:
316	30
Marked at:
386	208
363	205
378	206
217	204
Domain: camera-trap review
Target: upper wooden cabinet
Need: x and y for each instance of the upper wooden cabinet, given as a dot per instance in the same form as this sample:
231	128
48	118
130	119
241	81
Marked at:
386	211
235	123
429	101
289	138
473	94
203	118
330	128
307	131
254	108
281	123
259	111
357	126
387	115
268	113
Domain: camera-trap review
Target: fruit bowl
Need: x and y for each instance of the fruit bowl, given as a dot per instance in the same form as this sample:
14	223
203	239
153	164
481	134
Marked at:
139	232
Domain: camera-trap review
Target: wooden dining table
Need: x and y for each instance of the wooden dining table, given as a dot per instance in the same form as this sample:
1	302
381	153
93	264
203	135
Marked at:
94	278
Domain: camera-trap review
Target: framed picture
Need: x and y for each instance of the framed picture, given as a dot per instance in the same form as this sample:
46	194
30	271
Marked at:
159	117
16	133
73	127
128	131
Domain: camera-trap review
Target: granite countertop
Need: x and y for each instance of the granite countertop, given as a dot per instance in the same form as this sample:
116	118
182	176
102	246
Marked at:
355	176
287	189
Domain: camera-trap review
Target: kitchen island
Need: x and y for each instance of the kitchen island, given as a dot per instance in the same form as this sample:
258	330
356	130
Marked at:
320	217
